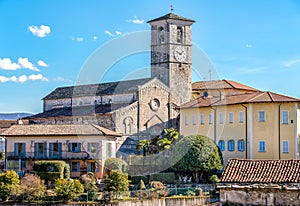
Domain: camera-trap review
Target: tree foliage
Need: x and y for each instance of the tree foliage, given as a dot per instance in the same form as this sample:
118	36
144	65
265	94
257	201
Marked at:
2	155
115	164
8	181
68	189
31	188
117	182
196	154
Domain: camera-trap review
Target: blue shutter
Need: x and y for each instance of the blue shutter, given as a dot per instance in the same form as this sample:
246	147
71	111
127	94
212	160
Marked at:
50	150
59	149
70	147
89	147
78	147
78	166
23	149
89	167
45	150
16	149
35	150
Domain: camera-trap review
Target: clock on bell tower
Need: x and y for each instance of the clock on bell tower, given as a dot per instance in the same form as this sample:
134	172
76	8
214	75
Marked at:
171	54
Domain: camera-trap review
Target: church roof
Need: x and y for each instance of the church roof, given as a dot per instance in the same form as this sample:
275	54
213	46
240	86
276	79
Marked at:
79	111
220	84
58	130
109	88
171	16
261	171
251	97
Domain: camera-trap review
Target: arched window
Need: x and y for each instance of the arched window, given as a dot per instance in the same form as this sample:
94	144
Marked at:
161	35
128	125
179	35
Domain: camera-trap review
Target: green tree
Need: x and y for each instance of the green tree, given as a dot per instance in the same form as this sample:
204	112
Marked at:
31	188
169	136
88	180
117	183
196	154
2	156
115	164
8	181
68	189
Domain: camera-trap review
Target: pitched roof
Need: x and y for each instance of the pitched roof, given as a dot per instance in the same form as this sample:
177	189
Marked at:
220	84
261	171
79	111
171	16
58	130
119	87
251	97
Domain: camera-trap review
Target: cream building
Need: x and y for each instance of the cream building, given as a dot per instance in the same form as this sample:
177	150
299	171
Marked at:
244	122
84	147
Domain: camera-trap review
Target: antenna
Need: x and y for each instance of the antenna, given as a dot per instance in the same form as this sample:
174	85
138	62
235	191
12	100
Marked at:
172	8
209	74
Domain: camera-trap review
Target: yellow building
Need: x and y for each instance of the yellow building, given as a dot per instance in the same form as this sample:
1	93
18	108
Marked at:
84	147
244	122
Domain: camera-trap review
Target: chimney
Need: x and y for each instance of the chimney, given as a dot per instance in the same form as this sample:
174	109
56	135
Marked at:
222	96
19	121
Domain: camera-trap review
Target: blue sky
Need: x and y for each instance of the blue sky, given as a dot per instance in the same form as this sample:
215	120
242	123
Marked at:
44	44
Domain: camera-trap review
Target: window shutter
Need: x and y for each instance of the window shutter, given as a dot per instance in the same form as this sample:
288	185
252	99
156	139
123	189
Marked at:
70	147
16	149
50	149
35	149
60	149
78	147
89	147
45	149
89	167
78	166
23	149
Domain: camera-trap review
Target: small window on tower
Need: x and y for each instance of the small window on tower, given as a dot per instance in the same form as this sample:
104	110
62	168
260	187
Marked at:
161	35
179	35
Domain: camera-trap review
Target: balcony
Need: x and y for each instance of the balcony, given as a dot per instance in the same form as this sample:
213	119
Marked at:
60	155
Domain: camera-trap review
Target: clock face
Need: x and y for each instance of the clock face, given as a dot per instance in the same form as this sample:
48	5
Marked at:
180	54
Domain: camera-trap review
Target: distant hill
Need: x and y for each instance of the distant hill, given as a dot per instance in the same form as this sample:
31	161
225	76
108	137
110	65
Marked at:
13	116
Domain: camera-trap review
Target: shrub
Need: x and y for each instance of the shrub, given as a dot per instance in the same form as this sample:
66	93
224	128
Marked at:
91	190
158	189
117	182
52	170
136	179
68	189
142	185
8	181
115	164
2	156
214	179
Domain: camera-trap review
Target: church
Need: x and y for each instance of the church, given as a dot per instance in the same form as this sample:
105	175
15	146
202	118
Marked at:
138	108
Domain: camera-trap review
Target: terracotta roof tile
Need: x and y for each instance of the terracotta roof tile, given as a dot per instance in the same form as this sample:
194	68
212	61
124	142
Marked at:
220	84
251	97
261	171
57	130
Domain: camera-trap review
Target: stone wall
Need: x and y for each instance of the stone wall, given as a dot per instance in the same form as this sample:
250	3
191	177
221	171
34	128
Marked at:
260	196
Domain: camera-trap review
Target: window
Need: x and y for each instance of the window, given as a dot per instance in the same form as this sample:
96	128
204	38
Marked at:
241	145
210	118
261	116
202	119
241	117
179	35
75	166
40	149
186	120
74	147
221	118
262	146
94	150
109	149
194	119
230	117
285	146
230	145
221	145
20	149
55	150
285	117
161	35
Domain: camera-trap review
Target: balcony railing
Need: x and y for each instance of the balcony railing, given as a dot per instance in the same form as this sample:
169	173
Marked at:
62	155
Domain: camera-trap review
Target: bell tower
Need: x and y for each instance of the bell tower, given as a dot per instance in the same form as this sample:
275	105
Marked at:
171	54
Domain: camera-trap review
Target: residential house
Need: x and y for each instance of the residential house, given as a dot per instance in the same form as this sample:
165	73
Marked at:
244	122
260	182
84	147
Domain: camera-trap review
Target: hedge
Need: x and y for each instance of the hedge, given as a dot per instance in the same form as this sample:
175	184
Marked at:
166	178
59	169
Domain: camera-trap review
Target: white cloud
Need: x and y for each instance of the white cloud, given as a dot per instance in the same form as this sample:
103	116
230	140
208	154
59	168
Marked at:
39	31
117	33
23	78
249	45
42	63
61	79
136	20
23	62
94	38
7	64
290	63
79	39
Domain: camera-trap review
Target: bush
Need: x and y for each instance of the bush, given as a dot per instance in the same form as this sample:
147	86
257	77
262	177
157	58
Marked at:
117	182
91	190
8	181
142	185
115	164
32	188
68	189
52	170
214	179
158	189
167	178
136	179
